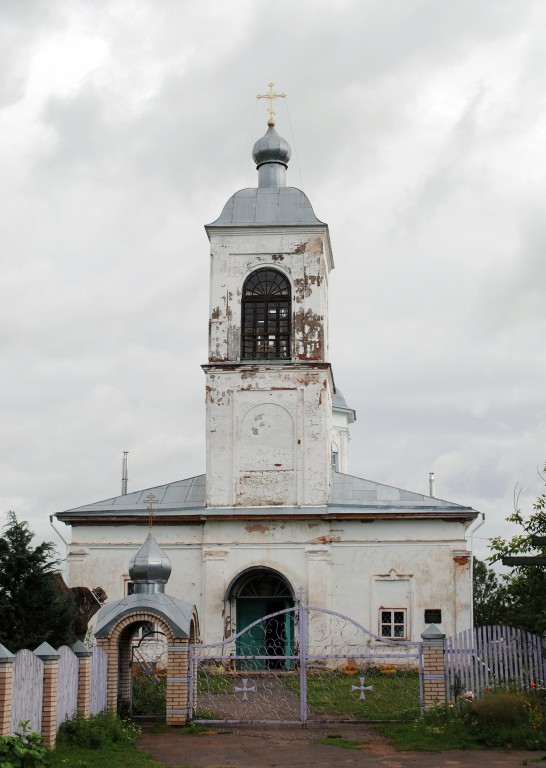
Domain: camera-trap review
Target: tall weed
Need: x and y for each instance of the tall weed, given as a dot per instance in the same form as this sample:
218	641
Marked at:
97	731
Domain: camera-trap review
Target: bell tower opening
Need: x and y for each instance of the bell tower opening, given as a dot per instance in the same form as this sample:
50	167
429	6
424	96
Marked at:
266	316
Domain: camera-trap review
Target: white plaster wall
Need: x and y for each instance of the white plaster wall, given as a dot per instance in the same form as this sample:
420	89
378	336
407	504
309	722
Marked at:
301	253
340	439
268	434
338	563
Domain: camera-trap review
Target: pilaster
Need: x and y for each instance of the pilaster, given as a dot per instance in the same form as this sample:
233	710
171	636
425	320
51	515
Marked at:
6	689
434	682
50	691
84	678
178	682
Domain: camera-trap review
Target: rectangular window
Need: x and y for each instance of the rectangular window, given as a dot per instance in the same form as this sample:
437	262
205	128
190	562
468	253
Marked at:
128	586
392	623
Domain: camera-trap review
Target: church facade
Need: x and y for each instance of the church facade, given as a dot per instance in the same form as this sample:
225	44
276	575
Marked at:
277	517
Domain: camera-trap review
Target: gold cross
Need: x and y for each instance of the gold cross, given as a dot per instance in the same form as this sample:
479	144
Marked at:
150	507
271	96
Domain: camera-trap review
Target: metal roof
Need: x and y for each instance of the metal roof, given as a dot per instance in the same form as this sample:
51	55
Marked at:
177	613
263	206
350	496
340	404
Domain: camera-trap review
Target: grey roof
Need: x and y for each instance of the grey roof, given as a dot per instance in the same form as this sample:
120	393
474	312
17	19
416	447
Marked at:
340	404
175	612
349	491
348	495
338	399
182	494
263	206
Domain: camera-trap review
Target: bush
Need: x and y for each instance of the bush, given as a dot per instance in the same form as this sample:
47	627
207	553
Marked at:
24	750
503	708
507	719
97	731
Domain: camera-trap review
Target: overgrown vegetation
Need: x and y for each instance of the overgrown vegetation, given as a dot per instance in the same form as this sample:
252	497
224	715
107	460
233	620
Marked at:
500	719
24	750
31	607
99	741
149	694
490	596
97	731
518	597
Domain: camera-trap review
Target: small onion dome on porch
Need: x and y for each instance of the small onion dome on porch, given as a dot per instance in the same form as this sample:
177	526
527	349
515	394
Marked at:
150	568
176	613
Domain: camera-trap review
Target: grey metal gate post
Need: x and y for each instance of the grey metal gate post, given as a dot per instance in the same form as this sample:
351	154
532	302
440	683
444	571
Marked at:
192	671
302	614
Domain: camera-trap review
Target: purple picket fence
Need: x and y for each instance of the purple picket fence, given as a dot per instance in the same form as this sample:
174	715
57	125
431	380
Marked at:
484	658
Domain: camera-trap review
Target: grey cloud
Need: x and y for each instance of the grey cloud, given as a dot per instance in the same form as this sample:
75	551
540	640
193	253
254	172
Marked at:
105	308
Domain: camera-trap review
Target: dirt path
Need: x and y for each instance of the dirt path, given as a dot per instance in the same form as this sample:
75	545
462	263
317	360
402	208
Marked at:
291	746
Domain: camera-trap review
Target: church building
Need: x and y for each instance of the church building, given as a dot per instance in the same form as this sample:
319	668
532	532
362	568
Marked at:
277	517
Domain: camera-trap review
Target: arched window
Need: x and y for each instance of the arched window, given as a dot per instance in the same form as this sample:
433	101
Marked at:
266	316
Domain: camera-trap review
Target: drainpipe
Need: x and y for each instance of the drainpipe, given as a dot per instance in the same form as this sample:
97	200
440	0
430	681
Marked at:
480	523
59	534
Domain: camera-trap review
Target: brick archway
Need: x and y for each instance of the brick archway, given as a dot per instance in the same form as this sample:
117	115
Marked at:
117	644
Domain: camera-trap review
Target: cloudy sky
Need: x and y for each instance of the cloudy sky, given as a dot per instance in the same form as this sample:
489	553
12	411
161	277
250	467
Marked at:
419	130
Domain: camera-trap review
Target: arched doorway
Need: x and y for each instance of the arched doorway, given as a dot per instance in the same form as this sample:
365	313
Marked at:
255	594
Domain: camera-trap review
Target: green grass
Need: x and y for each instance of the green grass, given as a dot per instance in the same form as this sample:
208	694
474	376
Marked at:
111	756
333	740
501	719
99	741
329	694
427	735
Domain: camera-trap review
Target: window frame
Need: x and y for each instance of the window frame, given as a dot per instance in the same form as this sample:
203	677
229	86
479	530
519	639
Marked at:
266	316
392	623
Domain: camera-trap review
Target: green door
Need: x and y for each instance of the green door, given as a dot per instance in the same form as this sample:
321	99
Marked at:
272	637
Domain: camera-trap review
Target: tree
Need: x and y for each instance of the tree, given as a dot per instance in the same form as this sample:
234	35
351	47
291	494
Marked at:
489	595
31	607
525	584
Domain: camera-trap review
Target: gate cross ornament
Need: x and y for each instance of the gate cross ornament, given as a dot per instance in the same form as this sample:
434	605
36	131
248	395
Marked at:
361	688
245	689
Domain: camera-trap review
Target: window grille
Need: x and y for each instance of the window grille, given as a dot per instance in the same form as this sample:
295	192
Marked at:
392	623
266	309
264	585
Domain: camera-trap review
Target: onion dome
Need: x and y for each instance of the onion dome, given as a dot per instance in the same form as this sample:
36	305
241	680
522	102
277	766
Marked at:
271	148
150	568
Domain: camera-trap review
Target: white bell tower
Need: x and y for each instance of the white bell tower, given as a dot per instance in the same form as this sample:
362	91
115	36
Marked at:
268	380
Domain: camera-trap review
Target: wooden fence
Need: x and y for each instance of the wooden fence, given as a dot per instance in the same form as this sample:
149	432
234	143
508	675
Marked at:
26	703
488	657
99	676
47	686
